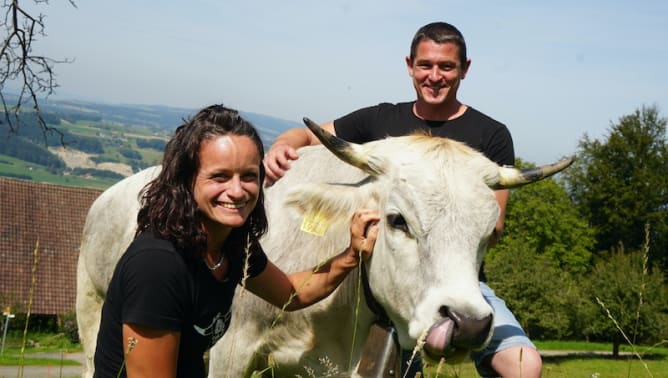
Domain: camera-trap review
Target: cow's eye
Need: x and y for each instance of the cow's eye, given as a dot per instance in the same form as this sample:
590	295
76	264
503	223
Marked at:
397	221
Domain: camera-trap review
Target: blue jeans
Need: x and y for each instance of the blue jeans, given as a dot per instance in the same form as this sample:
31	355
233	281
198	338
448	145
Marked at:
507	333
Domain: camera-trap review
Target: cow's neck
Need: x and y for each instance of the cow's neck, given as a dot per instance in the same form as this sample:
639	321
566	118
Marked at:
381	316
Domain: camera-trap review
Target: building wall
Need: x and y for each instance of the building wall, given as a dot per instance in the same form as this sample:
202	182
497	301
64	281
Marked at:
42	221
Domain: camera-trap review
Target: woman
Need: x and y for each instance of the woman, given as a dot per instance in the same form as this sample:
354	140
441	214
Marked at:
198	238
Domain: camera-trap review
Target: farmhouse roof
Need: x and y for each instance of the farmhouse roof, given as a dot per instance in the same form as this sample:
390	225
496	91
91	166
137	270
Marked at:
46	220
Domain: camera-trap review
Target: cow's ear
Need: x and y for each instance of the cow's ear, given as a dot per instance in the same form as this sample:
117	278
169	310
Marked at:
329	203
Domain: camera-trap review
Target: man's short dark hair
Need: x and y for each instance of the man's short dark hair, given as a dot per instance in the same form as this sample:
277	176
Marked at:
440	32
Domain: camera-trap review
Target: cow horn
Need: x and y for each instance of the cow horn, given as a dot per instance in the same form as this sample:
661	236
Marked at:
510	177
350	153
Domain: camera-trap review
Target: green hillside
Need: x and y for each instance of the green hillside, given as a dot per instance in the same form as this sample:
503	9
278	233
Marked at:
95	145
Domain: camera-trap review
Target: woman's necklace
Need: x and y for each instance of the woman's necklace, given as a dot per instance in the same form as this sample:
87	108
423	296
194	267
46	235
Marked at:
216	265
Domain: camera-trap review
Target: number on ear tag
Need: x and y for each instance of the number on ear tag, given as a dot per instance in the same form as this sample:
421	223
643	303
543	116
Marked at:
315	223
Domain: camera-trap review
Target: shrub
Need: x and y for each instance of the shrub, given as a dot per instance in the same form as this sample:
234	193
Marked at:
67	325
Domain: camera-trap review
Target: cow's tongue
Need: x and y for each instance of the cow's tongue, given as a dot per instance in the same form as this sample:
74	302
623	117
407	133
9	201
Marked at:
438	342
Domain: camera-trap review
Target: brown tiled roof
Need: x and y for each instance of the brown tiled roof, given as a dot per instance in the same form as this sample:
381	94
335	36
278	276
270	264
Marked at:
54	216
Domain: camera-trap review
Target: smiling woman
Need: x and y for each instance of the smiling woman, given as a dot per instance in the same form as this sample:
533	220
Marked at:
228	183
197	238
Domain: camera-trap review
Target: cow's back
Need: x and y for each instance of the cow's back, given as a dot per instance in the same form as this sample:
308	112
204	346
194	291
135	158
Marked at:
109	228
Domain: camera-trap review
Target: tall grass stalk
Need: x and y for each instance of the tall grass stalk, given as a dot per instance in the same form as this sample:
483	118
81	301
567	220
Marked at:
634	351
242	292
643	285
631	343
132	342
30	299
287	303
418	348
294	294
358	299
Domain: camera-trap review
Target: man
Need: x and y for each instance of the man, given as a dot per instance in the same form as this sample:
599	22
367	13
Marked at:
437	64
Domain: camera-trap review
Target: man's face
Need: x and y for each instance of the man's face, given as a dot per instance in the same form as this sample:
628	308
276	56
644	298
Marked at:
436	72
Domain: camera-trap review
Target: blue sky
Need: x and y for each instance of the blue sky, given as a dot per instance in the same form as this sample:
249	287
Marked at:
551	71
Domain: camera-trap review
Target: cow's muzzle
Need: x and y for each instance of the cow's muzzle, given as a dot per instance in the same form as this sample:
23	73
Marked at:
455	335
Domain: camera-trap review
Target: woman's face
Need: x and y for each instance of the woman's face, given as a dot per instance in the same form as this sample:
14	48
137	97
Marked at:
227	184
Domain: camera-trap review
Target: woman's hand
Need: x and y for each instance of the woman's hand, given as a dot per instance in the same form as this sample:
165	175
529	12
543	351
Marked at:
363	232
310	286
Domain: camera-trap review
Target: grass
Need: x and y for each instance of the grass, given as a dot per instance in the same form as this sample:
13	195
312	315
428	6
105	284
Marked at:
581	363
107	130
572	365
598	367
10	166
654	360
595	347
39	343
16	360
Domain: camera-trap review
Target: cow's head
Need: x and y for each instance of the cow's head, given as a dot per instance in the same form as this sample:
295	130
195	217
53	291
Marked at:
438	208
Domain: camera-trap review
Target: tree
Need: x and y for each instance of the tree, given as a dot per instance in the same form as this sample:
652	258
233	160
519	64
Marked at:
544	218
545	247
621	183
20	65
630	302
543	298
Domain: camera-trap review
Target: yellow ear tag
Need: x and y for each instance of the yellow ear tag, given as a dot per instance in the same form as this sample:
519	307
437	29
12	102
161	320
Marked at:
315	223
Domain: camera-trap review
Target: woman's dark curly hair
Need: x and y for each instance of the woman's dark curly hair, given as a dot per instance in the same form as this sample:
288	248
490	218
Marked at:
168	204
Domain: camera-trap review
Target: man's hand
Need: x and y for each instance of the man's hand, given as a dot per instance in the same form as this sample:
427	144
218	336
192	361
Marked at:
277	162
277	159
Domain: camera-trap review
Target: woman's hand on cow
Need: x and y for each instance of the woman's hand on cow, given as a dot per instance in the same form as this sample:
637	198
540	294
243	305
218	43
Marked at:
298	290
363	232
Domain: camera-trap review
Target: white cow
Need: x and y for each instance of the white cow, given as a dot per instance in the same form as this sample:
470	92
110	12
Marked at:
438	209
110	227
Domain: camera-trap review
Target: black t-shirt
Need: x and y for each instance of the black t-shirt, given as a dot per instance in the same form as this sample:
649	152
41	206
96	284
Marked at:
474	128
153	285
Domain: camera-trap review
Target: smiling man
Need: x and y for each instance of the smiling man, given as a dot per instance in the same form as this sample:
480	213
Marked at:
437	64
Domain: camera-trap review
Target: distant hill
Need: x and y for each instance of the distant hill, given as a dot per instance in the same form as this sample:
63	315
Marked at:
104	142
160	117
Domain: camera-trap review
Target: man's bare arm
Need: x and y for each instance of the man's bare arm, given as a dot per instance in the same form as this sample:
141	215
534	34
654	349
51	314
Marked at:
502	198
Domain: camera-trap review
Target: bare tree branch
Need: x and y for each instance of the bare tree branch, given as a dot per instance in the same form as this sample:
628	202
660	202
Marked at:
19	64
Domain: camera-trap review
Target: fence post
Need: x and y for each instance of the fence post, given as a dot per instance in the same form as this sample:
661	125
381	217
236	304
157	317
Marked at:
7	313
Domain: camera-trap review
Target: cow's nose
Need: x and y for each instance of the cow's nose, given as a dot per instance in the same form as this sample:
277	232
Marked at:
456	333
469	333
